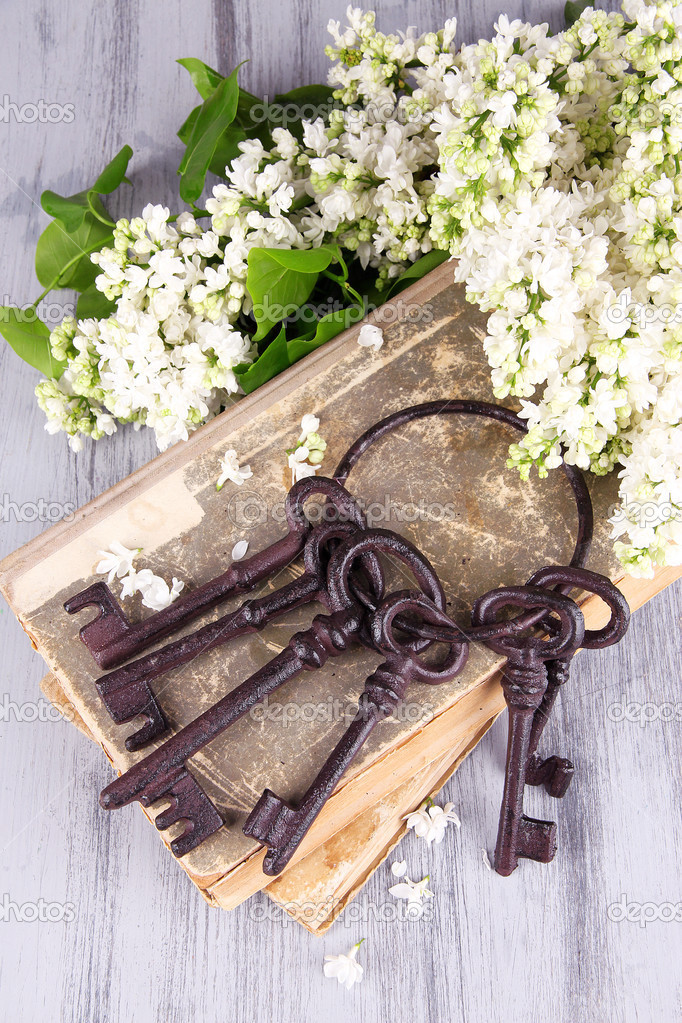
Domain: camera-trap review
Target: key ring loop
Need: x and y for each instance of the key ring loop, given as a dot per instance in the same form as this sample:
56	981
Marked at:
400	654
500	414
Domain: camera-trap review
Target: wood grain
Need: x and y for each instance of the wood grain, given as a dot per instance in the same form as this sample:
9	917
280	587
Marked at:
537	946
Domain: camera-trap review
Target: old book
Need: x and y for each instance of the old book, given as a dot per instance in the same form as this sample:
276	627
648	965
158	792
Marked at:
442	483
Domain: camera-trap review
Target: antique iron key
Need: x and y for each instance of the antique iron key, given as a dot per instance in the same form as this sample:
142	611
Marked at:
524	683
554	772
280	825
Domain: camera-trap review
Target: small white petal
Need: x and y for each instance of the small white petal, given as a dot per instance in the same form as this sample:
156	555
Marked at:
371	336
239	550
402	890
486	859
309	424
399	868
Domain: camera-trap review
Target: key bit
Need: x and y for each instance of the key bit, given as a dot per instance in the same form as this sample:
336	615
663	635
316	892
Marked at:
189	803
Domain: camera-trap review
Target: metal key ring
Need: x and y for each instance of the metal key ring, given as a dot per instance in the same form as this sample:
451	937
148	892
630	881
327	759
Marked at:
502	415
318	550
591	582
401	655
385	542
565	639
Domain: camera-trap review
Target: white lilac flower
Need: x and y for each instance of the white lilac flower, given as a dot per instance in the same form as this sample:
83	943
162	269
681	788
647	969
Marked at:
371	336
430	822
230	469
306	458
548	165
415	893
118	561
239	550
309	424
156	593
299	465
345	968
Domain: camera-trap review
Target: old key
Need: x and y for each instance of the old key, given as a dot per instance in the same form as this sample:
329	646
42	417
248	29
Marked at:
281	826
524	682
554	772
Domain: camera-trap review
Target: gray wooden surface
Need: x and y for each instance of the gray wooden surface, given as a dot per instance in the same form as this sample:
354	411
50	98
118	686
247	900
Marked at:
131	940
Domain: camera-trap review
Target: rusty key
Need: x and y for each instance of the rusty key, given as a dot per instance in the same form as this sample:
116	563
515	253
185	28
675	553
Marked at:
126	691
281	826
112	639
524	682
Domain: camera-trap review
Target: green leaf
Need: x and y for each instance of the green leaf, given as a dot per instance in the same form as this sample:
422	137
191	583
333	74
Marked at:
246	124
114	173
30	339
63	257
327	328
573	10
215	115
204	78
71	210
273	360
420	268
226	150
92	304
279	281
281	354
184	132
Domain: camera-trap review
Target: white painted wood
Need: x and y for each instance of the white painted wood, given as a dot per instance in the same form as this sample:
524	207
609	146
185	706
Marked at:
143	947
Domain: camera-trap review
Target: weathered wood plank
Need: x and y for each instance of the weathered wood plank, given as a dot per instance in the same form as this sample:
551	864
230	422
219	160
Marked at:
144	947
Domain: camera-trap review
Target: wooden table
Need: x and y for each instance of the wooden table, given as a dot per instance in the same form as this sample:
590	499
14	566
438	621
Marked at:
541	945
